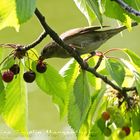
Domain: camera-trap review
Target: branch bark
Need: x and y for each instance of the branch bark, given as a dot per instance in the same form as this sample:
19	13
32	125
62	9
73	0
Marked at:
127	8
84	65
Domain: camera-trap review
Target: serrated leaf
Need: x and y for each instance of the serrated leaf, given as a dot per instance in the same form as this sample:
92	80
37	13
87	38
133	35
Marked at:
116	70
89	9
70	72
52	83
133	57
8	63
15	109
113	10
79	102
134	72
13	13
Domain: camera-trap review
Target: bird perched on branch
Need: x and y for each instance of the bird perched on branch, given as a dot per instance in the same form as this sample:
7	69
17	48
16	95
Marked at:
84	40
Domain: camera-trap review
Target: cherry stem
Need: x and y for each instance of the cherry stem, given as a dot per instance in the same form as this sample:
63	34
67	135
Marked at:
113	49
8	45
6	58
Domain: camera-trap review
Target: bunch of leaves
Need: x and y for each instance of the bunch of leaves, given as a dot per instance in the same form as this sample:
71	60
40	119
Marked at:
14	13
93	9
77	93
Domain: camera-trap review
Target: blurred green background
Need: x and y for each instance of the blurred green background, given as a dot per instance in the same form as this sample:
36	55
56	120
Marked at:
62	15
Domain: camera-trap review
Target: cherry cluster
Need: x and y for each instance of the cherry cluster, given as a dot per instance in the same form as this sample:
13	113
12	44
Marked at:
28	76
124	131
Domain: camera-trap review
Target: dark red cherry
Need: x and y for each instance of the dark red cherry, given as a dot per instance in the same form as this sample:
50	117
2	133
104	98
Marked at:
106	116
29	76
126	129
41	67
7	76
15	69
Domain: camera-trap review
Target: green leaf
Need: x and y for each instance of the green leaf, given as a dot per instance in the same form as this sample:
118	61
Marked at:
97	103
15	109
135	120
84	131
32	55
79	102
101	124
52	83
113	10
2	94
25	9
89	9
94	6
116	70
96	133
134	72
133	57
70	71
137	81
13	13
95	83
1	53
8	63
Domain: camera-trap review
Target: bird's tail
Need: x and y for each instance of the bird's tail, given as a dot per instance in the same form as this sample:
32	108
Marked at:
111	32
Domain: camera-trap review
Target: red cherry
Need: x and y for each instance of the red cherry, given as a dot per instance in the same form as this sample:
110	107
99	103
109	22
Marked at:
41	67
106	116
126	129
29	76
7	76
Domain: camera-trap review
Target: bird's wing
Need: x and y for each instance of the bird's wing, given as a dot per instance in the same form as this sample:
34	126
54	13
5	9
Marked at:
74	32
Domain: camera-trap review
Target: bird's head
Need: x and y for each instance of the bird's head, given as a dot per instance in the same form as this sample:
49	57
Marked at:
54	50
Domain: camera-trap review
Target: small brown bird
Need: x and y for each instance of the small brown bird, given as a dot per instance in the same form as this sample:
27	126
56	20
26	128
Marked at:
84	40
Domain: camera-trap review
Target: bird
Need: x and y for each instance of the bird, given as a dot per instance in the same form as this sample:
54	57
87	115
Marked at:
84	40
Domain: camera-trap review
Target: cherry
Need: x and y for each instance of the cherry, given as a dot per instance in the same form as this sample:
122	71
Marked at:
105	116
107	131
122	134
15	69
8	76
29	76
41	67
126	129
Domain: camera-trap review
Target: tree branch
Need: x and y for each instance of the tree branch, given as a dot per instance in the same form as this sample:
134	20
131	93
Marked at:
77	57
37	41
84	65
56	38
127	7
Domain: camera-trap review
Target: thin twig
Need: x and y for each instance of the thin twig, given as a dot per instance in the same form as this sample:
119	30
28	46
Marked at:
99	62
37	41
77	57
56	38
127	7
